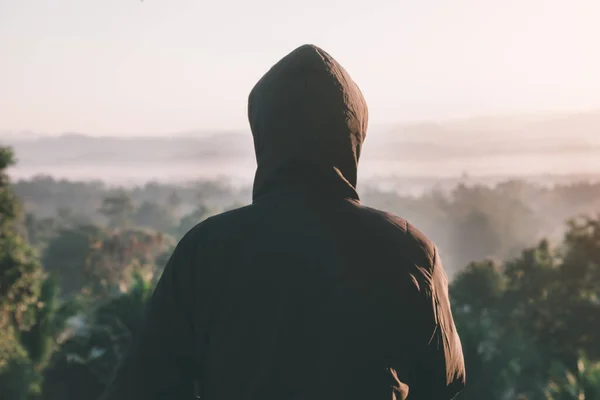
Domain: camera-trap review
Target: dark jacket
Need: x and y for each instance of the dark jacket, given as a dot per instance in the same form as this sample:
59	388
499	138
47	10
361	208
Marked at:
305	294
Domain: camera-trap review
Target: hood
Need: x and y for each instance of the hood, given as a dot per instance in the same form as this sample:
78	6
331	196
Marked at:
309	120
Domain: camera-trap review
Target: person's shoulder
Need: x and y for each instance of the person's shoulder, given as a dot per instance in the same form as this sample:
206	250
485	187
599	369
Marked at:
416	243
220	224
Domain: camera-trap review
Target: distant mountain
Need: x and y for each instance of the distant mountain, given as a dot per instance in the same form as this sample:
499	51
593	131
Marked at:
21	135
445	146
558	128
73	148
495	135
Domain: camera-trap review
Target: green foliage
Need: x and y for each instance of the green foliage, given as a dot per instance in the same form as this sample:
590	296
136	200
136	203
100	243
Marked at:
581	384
18	379
86	361
20	273
152	215
122	254
66	255
117	209
526	324
40	230
20	283
174	201
51	320
93	260
31	316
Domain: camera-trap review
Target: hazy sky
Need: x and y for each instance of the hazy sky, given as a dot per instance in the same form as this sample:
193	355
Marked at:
159	66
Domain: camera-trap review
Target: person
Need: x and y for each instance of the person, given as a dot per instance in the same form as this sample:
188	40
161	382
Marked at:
305	293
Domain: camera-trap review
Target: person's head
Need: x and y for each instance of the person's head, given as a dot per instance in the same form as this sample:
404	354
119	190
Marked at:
308	118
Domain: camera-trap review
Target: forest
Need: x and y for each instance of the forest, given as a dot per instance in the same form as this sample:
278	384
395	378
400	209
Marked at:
79	259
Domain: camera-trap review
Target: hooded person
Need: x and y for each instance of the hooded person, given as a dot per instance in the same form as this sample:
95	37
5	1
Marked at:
306	293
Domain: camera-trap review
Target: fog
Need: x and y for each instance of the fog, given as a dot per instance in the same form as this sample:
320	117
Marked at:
490	148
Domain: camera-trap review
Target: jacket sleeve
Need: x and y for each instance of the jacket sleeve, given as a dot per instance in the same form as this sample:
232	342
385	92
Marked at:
438	369
160	363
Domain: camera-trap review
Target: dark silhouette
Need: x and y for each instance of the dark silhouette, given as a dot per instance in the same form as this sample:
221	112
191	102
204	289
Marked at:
305	293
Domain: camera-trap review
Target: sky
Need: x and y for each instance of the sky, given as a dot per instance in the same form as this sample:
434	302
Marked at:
151	67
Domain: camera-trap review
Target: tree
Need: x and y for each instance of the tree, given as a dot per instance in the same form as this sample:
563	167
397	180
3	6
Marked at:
583	383
51	318
39	230
174	202
155	216
572	309
527	324
66	257
20	282
477	294
117	209
113	260
190	220
89	259
84	365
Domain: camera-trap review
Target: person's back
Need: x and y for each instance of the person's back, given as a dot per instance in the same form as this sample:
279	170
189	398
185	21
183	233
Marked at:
304	294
